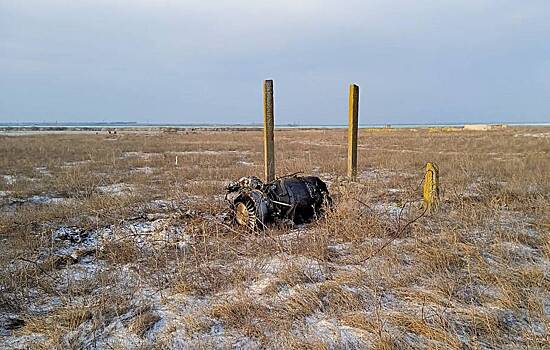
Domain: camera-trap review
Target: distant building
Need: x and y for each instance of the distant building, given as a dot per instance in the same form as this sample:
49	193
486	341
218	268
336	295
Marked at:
484	127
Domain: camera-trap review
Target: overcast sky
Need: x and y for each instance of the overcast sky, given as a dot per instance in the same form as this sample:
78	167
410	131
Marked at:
200	61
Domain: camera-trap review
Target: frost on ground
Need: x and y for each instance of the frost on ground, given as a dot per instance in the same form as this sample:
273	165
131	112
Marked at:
144	170
115	189
538	135
295	297
10	204
132	250
9	179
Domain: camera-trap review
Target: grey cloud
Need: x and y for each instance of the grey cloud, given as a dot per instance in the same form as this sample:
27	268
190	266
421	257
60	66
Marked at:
198	61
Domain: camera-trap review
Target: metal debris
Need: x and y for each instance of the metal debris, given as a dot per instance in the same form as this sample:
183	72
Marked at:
296	198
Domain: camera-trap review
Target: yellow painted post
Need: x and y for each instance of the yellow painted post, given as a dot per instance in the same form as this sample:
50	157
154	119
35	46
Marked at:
430	190
269	121
352	130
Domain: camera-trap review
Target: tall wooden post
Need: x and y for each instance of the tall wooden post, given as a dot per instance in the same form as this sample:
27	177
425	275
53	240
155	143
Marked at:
430	190
352	130
269	151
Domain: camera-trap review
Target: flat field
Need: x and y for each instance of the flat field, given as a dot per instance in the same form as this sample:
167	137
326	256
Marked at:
124	242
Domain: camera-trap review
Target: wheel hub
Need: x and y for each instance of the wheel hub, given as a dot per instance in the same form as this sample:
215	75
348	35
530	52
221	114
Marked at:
242	214
245	214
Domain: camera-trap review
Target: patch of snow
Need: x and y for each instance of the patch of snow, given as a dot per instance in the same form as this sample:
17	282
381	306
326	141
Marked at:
145	227
9	179
370	174
546	306
206	181
384	174
113	334
23	342
115	189
41	199
143	155
36	200
162	204
521	253
77	244
311	267
144	169
75	163
85	270
335	336
43	170
293	233
157	232
209	152
390	208
534	189
42	304
242	162
10	322
340	249
151	333
73	234
536	135
259	286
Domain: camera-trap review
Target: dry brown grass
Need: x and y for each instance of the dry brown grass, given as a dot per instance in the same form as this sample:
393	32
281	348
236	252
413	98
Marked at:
143	322
473	275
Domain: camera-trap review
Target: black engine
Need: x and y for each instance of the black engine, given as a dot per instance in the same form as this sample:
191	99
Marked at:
296	198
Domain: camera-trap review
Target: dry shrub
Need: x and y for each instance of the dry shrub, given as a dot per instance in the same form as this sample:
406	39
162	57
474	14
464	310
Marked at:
360	320
339	298
56	325
432	331
296	342
211	278
241	313
388	343
301	303
294	273
196	323
143	322
122	251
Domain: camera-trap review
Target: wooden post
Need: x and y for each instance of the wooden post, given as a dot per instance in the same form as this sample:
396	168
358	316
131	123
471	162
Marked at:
269	121
430	190
352	130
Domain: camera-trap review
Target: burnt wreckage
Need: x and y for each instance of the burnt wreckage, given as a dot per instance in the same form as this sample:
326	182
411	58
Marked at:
296	198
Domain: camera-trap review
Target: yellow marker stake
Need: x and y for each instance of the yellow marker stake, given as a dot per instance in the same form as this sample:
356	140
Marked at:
269	145
352	130
430	189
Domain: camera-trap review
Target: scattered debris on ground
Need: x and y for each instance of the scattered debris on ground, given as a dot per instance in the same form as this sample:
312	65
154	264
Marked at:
295	198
